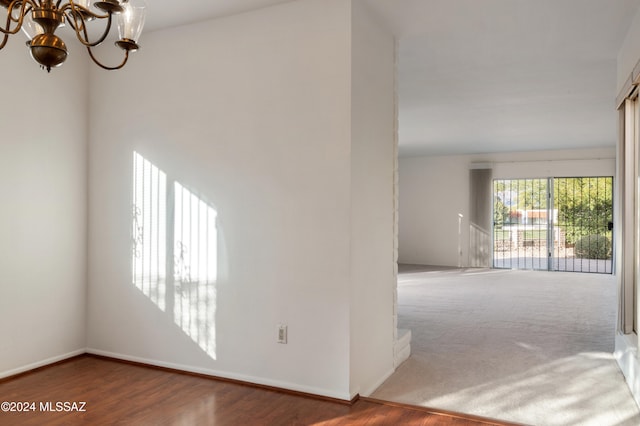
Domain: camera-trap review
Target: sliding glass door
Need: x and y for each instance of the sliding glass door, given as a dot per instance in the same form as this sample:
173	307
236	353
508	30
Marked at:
521	212
561	224
584	224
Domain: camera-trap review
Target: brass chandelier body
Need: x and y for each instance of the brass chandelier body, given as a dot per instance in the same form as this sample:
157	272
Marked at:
44	17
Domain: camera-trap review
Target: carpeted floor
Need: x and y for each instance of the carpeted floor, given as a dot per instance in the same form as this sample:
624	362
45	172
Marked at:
523	346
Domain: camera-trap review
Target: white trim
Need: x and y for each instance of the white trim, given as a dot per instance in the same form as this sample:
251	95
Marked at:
225	375
42	363
626	354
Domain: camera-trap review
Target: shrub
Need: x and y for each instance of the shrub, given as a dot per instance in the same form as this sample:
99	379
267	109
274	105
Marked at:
593	247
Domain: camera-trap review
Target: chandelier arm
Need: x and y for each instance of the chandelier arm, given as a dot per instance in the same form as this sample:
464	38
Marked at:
76	22
23	6
4	40
117	67
95	60
75	9
79	26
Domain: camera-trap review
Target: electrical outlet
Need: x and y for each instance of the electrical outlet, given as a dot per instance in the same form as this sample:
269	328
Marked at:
282	333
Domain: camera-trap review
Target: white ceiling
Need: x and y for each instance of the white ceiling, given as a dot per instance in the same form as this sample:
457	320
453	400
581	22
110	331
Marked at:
507	75
164	13
480	76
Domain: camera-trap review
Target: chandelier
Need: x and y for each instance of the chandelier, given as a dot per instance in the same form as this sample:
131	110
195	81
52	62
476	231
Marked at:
39	20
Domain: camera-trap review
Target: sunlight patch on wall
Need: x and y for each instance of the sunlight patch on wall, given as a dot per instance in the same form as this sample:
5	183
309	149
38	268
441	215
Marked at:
149	230
171	222
195	267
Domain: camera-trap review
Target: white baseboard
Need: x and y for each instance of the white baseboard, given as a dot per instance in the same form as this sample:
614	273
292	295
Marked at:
225	375
42	363
626	355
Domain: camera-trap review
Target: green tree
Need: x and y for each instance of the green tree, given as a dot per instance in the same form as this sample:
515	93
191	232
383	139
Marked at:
532	194
584	206
503	198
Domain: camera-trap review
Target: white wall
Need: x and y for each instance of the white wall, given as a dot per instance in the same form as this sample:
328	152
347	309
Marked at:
372	174
253	114
435	190
43	214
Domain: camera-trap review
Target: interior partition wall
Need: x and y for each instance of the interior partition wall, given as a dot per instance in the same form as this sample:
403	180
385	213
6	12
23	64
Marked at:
559	224
627	352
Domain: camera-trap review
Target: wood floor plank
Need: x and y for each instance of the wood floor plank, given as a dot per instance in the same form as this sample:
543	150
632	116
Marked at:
118	393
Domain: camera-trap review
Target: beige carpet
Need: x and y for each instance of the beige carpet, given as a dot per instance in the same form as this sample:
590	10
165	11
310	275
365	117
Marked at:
523	346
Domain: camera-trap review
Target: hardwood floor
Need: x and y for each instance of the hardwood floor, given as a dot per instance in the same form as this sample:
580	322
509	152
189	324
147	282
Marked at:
109	392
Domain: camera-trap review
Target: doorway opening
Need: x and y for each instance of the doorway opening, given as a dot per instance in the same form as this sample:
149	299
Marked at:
555	224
